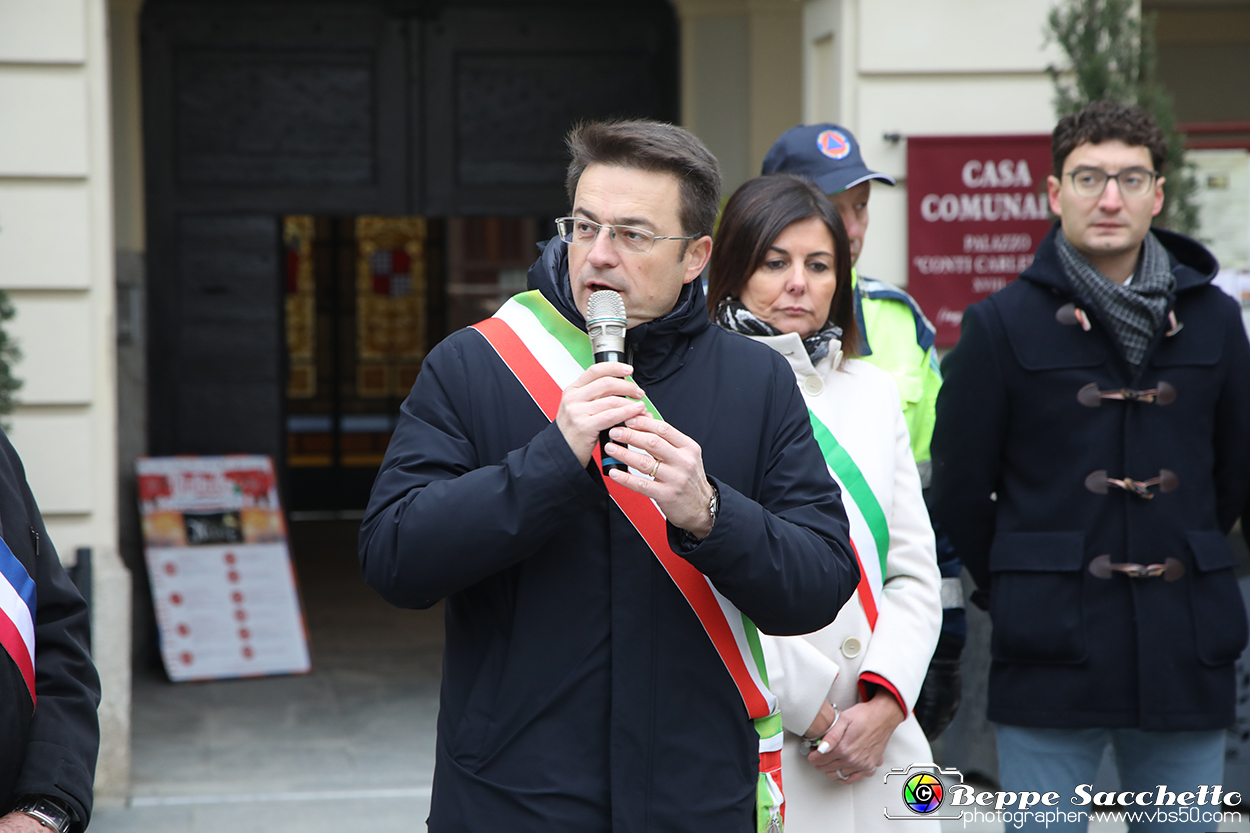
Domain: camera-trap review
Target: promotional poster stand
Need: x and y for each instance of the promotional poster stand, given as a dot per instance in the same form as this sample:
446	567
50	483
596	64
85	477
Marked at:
215	545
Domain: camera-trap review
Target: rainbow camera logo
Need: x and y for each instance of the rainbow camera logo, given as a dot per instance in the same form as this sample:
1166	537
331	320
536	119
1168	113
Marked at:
919	792
922	793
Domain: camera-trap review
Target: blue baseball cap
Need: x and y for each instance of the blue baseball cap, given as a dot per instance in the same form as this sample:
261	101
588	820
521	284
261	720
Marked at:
826	153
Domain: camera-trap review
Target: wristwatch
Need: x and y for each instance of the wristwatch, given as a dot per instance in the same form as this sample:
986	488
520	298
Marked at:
52	813
713	509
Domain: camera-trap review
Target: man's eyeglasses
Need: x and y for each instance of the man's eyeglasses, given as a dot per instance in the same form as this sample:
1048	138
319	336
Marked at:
579	232
1091	182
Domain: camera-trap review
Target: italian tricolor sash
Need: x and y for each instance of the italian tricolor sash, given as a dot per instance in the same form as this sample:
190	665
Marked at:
17	615
547	353
870	533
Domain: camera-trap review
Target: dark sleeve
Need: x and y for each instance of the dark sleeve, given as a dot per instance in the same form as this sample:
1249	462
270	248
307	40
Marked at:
1245	522
439	519
65	732
1232	416
954	622
967	442
784	560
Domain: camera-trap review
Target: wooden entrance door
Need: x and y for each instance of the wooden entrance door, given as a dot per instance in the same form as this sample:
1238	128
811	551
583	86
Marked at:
258	110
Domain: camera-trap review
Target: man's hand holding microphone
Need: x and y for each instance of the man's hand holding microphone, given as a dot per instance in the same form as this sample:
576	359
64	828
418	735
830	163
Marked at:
603	406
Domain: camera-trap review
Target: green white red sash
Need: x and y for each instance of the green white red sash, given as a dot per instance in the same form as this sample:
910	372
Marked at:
870	532
547	353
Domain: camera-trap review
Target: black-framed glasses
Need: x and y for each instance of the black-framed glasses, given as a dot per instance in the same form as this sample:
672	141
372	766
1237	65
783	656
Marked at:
578	231
1132	182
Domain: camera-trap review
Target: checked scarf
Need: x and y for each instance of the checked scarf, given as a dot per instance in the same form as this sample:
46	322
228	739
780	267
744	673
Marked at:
1134	312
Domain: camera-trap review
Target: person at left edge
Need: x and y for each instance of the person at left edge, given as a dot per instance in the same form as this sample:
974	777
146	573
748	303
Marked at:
49	732
580	691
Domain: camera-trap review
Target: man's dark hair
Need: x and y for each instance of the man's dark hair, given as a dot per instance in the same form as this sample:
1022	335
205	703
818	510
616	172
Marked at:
755	216
1105	121
652	146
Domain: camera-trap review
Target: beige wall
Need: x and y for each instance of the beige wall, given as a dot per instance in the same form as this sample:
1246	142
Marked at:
742	77
956	67
129	234
56	262
964	67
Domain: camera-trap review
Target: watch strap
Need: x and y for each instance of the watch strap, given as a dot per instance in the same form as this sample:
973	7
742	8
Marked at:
52	813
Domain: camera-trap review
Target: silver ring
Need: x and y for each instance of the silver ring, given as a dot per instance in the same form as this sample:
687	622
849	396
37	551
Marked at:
654	469
838	773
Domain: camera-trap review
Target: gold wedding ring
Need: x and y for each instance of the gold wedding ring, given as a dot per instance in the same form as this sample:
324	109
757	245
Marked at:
654	469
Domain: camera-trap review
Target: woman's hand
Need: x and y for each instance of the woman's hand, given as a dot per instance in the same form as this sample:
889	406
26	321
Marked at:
823	722
857	742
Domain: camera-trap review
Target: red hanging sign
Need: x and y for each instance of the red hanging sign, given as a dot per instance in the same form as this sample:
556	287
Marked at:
976	211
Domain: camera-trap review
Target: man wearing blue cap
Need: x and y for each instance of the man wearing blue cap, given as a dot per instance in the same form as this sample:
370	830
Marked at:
895	336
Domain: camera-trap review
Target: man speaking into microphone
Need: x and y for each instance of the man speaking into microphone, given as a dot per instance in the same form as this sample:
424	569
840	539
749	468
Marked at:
601	668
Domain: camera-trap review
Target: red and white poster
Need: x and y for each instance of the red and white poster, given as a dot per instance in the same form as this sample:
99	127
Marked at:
216	549
976	210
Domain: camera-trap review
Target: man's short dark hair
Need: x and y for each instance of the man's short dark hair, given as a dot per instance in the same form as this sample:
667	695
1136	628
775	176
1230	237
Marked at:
1105	121
652	146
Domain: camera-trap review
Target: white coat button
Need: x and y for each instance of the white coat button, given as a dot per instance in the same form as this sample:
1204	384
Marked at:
851	647
813	385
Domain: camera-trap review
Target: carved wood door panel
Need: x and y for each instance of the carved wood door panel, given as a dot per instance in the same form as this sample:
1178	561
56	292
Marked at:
433	108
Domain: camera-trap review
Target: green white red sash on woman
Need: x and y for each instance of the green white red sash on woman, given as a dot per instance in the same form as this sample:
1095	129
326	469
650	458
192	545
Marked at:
547	353
870	532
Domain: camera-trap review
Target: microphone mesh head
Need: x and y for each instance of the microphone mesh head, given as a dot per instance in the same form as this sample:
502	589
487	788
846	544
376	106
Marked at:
605	304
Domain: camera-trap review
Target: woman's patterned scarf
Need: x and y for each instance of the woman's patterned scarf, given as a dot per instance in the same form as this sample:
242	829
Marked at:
735	317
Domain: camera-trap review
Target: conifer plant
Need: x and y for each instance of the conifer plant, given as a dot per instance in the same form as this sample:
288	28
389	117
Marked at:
9	356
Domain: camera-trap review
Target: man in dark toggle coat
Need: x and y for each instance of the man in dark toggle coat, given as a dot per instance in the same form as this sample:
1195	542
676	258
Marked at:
1092	452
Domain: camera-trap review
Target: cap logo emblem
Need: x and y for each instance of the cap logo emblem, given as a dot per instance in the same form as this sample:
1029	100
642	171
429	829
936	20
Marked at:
834	144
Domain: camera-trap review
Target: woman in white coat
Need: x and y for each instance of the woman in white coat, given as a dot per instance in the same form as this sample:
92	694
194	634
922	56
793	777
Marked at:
780	273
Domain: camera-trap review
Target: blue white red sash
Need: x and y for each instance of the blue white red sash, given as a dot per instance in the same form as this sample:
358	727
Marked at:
17	615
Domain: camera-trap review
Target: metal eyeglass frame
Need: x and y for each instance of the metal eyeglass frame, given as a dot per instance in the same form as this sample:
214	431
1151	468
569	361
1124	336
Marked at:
566	234
1153	175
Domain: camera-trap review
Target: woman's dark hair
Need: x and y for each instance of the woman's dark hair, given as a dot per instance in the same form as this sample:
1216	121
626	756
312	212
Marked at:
756	214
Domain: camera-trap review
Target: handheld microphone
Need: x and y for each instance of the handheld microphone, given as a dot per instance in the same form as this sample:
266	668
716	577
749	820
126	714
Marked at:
605	324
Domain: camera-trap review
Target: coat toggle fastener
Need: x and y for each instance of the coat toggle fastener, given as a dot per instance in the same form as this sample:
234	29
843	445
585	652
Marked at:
1171	570
1098	482
1091	397
1071	314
